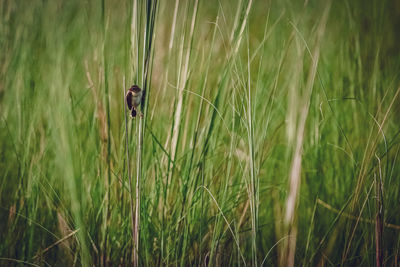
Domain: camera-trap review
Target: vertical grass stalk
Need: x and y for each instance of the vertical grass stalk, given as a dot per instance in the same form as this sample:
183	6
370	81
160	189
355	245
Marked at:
151	9
295	170
128	163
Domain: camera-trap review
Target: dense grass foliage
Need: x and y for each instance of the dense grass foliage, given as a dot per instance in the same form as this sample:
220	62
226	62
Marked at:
270	132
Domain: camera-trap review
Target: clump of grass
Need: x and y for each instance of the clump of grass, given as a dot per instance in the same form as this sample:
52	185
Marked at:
269	134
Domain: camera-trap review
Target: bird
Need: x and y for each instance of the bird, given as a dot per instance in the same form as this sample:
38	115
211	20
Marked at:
133	98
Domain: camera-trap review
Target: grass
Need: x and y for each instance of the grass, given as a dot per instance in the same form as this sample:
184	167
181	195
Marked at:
269	136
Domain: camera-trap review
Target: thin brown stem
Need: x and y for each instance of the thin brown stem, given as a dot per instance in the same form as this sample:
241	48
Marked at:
128	161
137	208
353	217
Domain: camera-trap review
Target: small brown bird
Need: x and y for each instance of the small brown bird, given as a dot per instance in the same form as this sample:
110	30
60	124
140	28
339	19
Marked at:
133	99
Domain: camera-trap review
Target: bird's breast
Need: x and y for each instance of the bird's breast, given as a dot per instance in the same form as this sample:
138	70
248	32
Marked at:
136	98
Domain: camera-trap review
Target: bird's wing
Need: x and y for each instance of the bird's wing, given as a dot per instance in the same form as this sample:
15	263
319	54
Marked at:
128	99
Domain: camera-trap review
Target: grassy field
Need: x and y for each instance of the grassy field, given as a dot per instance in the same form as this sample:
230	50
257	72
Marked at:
270	133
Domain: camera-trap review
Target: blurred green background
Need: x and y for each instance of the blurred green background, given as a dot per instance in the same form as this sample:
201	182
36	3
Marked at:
271	134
